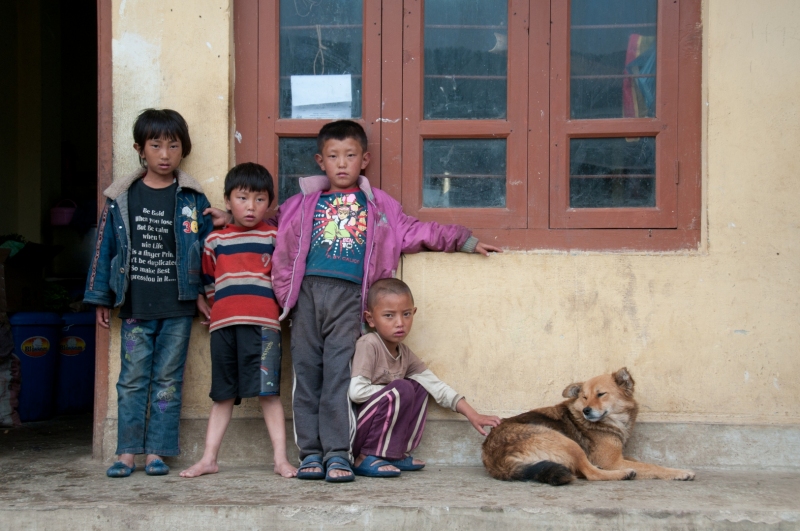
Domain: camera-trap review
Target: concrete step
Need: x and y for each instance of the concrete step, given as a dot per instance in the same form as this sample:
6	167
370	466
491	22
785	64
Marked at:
455	442
49	481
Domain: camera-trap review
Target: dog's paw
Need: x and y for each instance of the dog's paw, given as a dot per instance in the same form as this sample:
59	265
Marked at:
684	475
629	474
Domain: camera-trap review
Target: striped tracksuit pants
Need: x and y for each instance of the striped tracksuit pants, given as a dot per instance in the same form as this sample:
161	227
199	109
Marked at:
391	422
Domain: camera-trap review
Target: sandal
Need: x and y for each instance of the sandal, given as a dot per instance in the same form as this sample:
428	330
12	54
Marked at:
120	470
338	463
311	461
156	467
370	467
406	464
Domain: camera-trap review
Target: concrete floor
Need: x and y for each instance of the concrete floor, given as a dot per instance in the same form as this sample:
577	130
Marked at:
49	481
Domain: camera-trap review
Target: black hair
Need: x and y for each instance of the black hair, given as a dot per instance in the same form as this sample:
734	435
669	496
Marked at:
385	286
341	130
250	177
161	123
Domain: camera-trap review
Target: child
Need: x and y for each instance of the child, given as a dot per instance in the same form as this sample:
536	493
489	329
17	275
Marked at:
245	333
335	239
147	263
392	386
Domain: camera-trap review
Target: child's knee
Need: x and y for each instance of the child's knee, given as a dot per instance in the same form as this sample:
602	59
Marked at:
404	386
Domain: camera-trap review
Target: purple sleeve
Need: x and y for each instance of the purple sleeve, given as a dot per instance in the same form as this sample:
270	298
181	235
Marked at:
419	236
286	249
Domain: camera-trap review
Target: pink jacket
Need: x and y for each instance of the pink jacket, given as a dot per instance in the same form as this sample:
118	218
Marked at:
389	233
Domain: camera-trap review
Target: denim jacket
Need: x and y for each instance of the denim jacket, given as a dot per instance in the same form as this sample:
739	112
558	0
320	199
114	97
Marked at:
109	273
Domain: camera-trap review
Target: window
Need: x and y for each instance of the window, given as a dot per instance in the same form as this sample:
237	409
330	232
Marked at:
537	123
464	138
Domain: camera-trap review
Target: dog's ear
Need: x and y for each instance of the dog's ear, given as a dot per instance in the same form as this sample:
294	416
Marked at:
572	390
624	380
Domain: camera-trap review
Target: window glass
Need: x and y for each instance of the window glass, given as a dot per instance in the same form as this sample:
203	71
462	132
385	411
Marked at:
461	173
296	159
612	172
466	57
613	58
320	38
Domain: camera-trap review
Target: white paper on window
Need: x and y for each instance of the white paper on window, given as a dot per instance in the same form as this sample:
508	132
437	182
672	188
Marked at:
322	96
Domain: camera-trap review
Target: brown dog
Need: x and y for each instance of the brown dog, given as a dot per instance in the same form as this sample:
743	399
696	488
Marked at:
583	435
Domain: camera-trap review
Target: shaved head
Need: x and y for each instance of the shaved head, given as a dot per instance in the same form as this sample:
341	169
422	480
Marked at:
386	286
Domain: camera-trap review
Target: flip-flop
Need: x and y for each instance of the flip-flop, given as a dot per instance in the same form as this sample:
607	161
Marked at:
311	461
338	463
406	464
156	467
370	467
120	470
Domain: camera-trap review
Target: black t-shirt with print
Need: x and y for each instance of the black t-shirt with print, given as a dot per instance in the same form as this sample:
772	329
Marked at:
153	291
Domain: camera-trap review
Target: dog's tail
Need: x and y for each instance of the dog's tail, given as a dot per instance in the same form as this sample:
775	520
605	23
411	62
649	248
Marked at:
544	472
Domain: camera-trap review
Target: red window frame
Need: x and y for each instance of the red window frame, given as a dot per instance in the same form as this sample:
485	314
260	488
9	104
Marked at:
538	130
664	127
416	129
259	127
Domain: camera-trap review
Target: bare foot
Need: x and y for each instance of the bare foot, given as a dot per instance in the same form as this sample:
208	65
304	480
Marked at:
385	468
200	468
127	459
285	469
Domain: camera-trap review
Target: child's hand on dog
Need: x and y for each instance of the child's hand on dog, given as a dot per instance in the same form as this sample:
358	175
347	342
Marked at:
477	420
481	421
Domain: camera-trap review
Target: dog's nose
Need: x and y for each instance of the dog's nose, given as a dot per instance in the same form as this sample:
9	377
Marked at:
587	410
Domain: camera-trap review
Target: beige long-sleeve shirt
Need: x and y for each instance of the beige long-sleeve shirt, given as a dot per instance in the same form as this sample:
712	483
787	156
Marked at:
374	367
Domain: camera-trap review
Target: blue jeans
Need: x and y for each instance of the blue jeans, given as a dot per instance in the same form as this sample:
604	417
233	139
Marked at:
153	357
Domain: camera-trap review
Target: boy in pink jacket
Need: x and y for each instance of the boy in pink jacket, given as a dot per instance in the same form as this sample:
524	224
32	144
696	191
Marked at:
335	239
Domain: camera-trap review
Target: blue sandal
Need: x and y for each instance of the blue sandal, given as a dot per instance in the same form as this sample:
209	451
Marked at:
370	467
338	463
406	464
156	467
311	461
120	470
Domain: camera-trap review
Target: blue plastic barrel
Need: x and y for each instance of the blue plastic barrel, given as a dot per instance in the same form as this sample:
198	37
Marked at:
75	387
36	336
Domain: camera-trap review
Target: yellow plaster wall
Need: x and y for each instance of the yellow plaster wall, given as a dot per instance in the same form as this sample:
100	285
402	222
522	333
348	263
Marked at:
709	336
175	55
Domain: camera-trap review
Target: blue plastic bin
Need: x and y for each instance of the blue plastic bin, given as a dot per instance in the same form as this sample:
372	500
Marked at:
76	350
36	336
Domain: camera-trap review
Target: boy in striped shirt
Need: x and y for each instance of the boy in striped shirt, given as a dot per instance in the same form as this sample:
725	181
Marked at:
243	317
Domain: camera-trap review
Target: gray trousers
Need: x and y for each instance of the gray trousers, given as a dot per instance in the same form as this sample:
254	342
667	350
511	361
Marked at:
326	323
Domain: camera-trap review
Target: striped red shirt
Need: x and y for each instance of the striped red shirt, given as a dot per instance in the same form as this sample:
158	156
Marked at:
237	267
